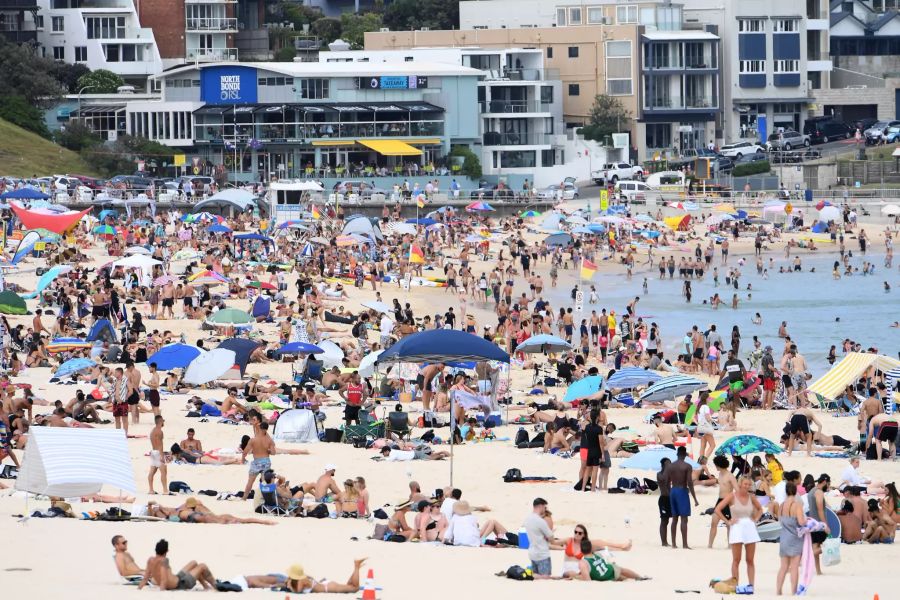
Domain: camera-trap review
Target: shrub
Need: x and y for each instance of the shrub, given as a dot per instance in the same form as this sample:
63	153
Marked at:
471	166
753	168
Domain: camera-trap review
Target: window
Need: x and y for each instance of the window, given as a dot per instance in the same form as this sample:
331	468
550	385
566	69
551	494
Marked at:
59	53
105	27
574	16
752	66
787	66
626	14
659	135
546	94
39	23
407	59
561	17
547	158
276	81
751	25
58	24
313	89
549	51
785	25
618	68
595	15
573	51
81	54
574	89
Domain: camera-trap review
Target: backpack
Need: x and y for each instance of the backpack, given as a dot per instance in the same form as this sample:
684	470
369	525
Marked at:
519	573
628	483
521	437
319	512
512	476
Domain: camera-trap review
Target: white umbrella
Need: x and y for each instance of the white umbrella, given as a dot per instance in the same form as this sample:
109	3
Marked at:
891	210
209	365
379	306
576	220
367	365
137	261
137	250
333	354
830	213
402	228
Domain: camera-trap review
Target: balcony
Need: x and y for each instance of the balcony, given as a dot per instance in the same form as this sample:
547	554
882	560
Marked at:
217	24
508	74
19	36
517	107
206	1
493	138
691	104
212	54
18	5
219	132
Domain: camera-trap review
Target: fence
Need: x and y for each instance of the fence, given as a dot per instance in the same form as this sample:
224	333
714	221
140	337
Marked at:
868	171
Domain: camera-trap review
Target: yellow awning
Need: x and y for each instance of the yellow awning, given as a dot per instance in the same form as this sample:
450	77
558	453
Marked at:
391	147
333	143
423	142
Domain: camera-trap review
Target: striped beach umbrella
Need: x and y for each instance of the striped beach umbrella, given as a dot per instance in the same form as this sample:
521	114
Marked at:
671	388
632	377
67	344
208	277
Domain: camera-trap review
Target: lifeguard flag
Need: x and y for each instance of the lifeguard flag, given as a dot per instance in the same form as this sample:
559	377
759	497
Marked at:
420	201
315	213
587	269
416	255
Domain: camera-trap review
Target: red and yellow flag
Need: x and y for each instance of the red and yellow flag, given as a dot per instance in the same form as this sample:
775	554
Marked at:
416	255
587	269
420	201
315	213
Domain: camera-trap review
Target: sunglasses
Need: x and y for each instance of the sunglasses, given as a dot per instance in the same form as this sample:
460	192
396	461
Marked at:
579	532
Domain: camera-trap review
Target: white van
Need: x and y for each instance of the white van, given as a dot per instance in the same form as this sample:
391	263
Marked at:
668	181
634	192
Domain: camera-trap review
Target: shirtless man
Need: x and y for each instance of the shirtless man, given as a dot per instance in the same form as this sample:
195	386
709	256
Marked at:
262	447
665	506
160	573
682	482
157	456
125	563
327	486
191	444
153	392
664	434
870	407
559	441
188	300
133	376
168	300
727	485
426	376
882	428
799	421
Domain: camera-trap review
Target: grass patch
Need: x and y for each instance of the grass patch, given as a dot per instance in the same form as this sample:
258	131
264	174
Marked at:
24	154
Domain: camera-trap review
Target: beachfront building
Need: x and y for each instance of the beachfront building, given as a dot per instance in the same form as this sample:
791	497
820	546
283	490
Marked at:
100	34
19	20
520	115
256	121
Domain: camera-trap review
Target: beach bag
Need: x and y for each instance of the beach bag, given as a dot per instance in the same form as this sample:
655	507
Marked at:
521	437
628	483
381	530
179	487
333	435
512	476
319	512
831	552
519	573
630	447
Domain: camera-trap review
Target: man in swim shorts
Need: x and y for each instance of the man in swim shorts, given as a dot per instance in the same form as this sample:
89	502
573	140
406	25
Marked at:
160	573
682	488
882	428
262	447
665	507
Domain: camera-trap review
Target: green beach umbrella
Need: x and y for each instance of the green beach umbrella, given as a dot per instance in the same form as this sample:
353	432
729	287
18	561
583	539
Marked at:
12	304
230	316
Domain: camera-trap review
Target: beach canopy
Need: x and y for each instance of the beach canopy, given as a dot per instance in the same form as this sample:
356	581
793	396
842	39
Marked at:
833	383
543	343
584	388
740	445
239	199
253	237
12	304
173	356
296	426
440	345
71	462
558	239
55	222
649	459
632	377
102	330
678	223
671	388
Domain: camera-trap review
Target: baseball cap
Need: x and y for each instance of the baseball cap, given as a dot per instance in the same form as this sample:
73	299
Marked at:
330	467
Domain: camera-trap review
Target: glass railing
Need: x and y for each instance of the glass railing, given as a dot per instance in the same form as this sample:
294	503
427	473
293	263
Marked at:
212	54
211	24
677	104
513	106
315	131
492	138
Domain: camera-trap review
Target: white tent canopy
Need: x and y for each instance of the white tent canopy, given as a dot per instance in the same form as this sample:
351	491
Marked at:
296	425
75	462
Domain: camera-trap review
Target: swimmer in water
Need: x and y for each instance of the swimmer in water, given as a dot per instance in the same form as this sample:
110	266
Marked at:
757	319
887	286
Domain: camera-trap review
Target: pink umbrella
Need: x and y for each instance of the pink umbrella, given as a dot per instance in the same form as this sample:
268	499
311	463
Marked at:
185	234
163	280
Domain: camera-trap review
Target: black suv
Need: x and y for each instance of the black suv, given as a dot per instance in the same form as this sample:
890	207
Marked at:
825	129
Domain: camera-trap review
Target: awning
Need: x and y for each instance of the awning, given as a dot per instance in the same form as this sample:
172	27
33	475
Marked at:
391	147
212	110
333	142
423	142
99	108
852	367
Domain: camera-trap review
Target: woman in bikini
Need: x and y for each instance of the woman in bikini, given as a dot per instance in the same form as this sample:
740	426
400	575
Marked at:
430	522
572	549
298	582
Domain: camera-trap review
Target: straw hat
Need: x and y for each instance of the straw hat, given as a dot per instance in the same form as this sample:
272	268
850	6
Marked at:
191	502
296	572
254	376
461	507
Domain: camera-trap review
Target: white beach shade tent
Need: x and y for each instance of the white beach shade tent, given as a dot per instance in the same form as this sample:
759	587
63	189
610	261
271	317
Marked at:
75	462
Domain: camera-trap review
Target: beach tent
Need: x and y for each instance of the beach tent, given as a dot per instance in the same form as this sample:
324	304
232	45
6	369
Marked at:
833	383
362	227
69	462
296	425
239	199
679	223
558	239
261	307
102	330
55	222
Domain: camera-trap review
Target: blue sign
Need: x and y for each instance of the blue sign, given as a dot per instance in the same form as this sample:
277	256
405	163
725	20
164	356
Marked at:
228	85
393	82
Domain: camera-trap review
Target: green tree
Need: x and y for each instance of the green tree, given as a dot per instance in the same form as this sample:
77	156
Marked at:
406	15
100	81
299	15
328	29
354	27
122	155
471	166
77	136
608	116
68	75
19	111
26	74
286	54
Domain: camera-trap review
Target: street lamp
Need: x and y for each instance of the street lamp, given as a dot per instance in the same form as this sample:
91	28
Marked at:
87	87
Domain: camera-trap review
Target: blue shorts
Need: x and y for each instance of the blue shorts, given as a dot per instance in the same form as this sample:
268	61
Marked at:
542	567
260	465
680	502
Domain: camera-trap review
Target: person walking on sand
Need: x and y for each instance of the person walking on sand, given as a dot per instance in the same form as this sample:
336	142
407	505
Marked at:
742	533
158	456
727	485
262	447
665	506
681	482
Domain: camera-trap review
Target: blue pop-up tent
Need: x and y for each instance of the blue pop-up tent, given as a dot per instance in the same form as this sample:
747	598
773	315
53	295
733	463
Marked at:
102	330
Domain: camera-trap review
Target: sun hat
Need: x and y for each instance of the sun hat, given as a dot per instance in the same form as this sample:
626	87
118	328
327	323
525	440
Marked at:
191	502
461	507
296	572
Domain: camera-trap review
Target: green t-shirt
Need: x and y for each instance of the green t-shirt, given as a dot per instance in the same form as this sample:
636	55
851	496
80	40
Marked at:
600	569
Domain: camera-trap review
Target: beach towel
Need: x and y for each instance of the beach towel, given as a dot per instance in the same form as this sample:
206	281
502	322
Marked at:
472	401
807	558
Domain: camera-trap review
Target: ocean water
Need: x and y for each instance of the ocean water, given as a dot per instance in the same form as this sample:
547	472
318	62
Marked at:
819	310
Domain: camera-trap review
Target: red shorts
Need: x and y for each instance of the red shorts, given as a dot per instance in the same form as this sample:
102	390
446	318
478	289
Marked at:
583	453
769	384
120	410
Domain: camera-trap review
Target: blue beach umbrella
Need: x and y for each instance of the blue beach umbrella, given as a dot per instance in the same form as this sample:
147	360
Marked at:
583	388
300	348
672	387
217	228
544	343
648	460
173	356
631	377
73	366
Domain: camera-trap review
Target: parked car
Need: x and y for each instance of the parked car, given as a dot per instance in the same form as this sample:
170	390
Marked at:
738	150
487	191
874	133
90	182
723	164
864	124
787	139
551	192
822	130
892	134
131	182
613	172
749	158
364	189
633	191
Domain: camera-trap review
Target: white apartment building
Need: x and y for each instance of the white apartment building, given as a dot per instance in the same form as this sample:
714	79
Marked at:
101	34
207	29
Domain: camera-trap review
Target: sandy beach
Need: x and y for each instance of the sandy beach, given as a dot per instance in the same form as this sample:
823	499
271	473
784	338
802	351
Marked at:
49	558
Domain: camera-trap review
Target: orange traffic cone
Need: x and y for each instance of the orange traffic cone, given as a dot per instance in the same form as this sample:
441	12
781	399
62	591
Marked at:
369	586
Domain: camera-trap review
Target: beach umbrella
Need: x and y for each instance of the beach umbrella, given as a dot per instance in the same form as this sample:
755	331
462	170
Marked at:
632	377
726	207
261	285
544	343
551	221
74	365
202	216
137	250
649	459
479	207
107	230
332	355
378	306
186	255
230	316
612	220
292	224
670	388
67	344
715	400
208	277
830	213
319	240
219	228
366	366
12	304
529	214
174	356
208	366
719	218
683	205
576	220
558	239
426	221
645	218
108	213
163	280
890	210
740	445
583	388
242	348
137	261
307	251
300	348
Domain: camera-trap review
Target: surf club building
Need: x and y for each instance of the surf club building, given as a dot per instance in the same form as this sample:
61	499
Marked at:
258	121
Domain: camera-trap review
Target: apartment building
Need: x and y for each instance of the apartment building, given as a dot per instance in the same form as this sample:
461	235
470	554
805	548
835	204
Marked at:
101	34
18	19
